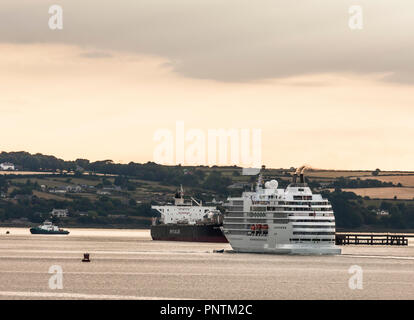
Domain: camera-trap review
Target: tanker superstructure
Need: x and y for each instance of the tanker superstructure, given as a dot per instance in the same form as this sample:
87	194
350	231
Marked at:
283	221
187	221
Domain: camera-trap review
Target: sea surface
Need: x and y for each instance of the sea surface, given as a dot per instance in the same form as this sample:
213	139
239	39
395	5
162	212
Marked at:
127	264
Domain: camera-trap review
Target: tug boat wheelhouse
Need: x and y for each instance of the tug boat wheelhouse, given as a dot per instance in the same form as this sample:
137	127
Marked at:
281	221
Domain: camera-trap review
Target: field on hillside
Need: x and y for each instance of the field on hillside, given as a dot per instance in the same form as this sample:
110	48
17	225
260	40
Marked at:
377	202
52	182
384	193
336	174
347	174
406	181
154	190
49	196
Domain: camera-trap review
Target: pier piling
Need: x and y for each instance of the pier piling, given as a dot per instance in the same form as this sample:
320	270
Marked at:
371	239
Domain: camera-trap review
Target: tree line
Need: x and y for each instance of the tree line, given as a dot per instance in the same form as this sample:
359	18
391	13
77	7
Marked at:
351	212
362	183
170	175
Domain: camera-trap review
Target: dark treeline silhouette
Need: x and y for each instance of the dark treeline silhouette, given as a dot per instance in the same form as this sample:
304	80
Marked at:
351	212
36	162
39	162
361	183
104	210
168	175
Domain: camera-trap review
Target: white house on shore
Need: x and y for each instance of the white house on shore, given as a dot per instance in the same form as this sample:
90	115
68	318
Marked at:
382	213
60	213
7	166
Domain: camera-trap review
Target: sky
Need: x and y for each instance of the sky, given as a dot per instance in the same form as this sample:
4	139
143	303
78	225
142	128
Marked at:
320	93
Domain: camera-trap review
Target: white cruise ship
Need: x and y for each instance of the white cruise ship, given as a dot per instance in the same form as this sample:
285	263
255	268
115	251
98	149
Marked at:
281	221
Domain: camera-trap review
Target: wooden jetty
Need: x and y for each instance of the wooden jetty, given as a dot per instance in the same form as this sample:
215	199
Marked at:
384	239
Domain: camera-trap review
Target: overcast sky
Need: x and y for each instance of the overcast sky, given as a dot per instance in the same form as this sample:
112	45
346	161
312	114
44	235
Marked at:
322	94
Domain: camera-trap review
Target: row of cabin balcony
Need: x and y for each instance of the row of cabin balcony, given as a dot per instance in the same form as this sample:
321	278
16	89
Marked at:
310	230
281	203
321	235
244	221
308	224
297	240
283	209
326	217
312	224
312	214
286	198
302	197
318	217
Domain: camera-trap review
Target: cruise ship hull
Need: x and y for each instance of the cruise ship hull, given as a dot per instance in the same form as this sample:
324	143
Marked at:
258	245
191	233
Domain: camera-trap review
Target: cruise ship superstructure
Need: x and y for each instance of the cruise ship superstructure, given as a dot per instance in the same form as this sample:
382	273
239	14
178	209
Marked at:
281	221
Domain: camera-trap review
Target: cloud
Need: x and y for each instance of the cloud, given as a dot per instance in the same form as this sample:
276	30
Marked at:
235	40
95	55
110	108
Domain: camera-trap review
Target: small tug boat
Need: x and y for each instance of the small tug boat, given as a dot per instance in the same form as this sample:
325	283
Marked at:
48	228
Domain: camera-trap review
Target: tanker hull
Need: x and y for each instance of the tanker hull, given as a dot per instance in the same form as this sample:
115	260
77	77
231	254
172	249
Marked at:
191	233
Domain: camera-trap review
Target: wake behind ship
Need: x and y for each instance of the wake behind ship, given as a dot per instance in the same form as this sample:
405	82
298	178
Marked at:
183	221
272	220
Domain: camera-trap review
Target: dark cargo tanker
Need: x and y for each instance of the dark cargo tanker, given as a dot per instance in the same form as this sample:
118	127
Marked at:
195	233
187	221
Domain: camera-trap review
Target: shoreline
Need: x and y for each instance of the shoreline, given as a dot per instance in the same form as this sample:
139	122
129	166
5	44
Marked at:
374	230
146	227
85	226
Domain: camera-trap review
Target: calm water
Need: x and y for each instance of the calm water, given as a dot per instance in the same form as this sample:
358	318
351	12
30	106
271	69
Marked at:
127	264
